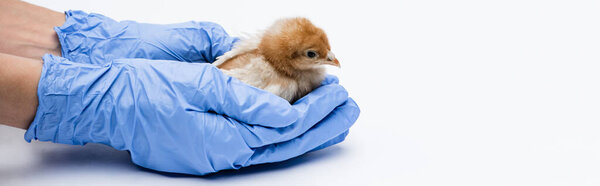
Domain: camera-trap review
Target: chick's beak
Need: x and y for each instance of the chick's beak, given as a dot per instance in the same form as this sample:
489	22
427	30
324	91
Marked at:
331	60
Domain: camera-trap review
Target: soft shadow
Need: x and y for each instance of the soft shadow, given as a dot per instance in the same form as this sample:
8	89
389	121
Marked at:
308	158
311	157
101	155
89	154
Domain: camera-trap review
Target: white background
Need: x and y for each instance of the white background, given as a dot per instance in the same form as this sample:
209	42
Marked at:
451	93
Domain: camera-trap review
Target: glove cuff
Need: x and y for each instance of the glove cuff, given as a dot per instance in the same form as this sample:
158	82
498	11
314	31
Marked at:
57	118
46	125
79	34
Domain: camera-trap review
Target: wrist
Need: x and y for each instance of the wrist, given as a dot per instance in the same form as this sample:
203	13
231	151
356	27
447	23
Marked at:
18	90
27	30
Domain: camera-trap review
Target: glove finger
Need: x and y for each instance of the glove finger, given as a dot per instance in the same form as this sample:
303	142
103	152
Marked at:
333	141
202	87
228	96
312	108
328	129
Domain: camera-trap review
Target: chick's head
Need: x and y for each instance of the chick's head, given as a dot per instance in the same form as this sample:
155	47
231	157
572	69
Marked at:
296	44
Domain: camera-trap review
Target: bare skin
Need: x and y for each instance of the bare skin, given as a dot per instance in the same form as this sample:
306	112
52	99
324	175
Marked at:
19	77
27	30
26	34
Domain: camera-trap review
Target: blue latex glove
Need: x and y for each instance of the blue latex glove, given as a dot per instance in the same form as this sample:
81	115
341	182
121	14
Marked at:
168	123
96	39
171	115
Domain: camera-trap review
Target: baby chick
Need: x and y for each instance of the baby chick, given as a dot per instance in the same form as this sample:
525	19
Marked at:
286	60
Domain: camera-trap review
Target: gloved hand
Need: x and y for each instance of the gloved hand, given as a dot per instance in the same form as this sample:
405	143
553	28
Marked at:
173	116
95	39
186	118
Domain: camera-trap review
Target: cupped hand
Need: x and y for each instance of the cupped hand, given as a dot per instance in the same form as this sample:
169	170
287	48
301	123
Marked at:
183	117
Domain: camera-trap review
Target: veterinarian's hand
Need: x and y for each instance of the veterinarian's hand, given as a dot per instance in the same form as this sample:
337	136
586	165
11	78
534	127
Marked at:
173	116
96	39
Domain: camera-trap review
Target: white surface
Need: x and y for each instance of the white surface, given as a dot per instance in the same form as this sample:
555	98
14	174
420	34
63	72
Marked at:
452	93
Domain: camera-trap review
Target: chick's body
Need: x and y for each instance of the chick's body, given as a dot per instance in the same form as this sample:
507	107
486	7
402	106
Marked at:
286	60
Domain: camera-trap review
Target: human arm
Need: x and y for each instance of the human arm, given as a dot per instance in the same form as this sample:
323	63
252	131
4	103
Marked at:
18	90
27	30
224	124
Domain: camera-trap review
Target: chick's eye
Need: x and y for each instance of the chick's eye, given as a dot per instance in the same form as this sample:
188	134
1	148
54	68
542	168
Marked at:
311	54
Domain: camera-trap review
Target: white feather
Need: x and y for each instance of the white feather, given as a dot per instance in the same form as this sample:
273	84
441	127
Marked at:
247	43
